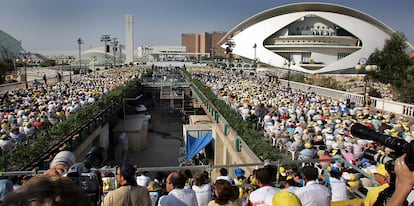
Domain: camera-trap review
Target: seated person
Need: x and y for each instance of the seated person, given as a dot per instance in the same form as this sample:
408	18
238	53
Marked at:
307	153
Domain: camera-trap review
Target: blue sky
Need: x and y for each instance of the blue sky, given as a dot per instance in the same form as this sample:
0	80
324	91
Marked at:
46	25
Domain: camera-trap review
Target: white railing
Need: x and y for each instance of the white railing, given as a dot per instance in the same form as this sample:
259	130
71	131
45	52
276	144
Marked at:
377	103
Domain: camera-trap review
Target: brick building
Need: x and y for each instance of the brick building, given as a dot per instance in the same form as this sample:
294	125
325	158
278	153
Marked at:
205	43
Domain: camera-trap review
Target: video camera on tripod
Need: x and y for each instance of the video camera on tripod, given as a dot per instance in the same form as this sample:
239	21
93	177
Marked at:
86	175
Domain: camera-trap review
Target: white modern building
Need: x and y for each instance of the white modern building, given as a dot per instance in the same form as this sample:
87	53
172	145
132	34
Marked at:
165	53
317	37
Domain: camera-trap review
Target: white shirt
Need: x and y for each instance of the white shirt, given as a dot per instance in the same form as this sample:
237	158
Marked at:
203	194
257	197
314	194
179	197
7	145
228	178
338	188
143	180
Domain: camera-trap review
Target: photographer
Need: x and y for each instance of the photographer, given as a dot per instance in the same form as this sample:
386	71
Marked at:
61	163
404	183
399	169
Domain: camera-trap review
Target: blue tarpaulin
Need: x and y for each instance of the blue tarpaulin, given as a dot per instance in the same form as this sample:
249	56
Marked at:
195	145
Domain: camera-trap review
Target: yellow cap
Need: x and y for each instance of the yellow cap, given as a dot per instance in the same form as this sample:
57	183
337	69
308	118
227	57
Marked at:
285	198
381	170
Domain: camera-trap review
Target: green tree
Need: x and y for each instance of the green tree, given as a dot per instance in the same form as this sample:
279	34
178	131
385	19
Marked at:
48	63
393	63
406	93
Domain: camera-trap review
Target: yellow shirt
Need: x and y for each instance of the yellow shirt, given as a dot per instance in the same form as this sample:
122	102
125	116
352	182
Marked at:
373	193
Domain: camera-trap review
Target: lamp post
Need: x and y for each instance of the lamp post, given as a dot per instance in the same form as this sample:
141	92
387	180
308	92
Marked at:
106	38
93	59
254	49
24	58
80	42
70	68
289	64
229	49
114	48
120	54
212	51
362	65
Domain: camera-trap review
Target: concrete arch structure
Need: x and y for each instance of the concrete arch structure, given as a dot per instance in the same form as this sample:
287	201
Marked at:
319	37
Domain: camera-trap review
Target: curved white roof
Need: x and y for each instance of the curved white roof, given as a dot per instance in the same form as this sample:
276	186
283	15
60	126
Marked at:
10	48
274	33
98	53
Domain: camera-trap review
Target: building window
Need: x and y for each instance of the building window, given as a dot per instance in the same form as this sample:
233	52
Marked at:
342	55
306	57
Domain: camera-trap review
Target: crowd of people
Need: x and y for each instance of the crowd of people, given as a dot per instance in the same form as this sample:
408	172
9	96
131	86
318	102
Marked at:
299	186
298	123
53	187
25	111
303	125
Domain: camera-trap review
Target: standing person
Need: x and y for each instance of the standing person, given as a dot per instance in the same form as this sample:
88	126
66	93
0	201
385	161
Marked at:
264	180
225	194
59	76
130	193
224	176
313	193
177	195
45	79
154	192
143	179
240	176
202	189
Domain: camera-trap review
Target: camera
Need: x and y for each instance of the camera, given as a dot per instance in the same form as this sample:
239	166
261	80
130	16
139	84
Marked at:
400	146
86	175
376	156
